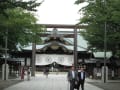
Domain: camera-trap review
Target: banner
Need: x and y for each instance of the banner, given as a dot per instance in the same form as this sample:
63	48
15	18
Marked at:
46	59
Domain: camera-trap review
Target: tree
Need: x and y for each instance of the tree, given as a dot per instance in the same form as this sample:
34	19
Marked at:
18	24
11	4
21	27
95	15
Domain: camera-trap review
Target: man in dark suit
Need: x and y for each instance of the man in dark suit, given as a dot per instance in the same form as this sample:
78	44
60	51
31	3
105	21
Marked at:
81	77
72	76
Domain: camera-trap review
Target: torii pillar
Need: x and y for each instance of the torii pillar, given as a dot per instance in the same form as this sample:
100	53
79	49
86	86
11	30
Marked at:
33	59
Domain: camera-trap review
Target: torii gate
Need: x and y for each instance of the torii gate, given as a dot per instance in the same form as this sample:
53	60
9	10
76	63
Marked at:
63	26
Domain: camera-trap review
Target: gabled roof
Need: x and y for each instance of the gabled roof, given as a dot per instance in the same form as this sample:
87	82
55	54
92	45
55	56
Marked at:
81	43
68	47
101	54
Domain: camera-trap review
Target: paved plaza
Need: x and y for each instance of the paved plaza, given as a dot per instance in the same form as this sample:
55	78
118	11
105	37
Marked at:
53	82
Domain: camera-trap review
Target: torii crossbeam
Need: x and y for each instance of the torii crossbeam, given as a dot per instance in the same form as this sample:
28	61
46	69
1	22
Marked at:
66	26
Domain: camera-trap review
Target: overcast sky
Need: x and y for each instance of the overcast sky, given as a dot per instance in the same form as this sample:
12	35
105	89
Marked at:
58	12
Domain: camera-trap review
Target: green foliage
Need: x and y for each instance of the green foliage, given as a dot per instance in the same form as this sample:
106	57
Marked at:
11	4
95	16
21	27
79	1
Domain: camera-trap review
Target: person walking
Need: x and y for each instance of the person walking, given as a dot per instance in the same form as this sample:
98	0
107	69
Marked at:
46	72
81	77
22	73
28	74
72	77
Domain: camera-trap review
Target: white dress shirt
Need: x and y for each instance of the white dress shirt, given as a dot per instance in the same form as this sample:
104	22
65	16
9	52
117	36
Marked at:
73	74
82	75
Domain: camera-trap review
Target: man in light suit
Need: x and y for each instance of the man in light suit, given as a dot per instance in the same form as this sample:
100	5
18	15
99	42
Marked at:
81	77
72	77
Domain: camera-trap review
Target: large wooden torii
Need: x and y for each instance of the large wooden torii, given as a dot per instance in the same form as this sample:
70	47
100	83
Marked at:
63	26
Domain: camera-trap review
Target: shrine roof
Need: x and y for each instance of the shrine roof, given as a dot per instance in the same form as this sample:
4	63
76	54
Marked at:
69	47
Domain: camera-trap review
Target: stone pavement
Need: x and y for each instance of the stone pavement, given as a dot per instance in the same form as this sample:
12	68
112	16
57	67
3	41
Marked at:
107	86
7	83
53	82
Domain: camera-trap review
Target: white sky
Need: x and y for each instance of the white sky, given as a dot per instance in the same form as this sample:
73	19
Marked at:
58	12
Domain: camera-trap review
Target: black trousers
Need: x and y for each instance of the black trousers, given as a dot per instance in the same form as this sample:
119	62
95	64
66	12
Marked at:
81	84
72	84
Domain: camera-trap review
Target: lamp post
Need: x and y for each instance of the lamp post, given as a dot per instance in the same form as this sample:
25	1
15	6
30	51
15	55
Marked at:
105	37
105	49
5	67
105	45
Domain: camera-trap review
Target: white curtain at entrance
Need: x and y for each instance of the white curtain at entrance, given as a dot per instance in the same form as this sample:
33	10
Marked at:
46	59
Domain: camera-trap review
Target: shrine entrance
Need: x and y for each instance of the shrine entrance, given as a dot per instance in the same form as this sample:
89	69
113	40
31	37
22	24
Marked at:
54	36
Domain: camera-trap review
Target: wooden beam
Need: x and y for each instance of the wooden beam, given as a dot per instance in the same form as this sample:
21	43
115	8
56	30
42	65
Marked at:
64	35
66	26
